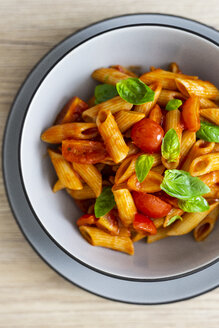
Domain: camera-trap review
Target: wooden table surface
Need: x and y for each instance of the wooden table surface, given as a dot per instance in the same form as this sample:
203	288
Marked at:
31	293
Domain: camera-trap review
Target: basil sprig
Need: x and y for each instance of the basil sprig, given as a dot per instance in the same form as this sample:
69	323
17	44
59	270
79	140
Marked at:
196	204
170	148
142	166
173	104
134	91
173	219
104	203
180	184
208	132
104	92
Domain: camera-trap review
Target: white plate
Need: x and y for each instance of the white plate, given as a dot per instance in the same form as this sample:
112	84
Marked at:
16	191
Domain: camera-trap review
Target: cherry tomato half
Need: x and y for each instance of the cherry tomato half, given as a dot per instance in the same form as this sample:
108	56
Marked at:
150	205
144	224
190	114
147	135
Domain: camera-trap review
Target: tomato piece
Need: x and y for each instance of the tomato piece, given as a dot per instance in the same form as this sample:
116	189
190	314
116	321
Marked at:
86	219
108	223
147	135
144	224
83	151
71	112
190	113
150	205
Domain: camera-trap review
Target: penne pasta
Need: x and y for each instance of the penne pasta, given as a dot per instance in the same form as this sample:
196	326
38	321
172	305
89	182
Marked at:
108	223
146	108
201	147
156	114
114	105
159	169
173	121
67	176
161	234
97	237
150	184
127	168
90	175
174	68
207	103
166	78
158	222
188	140
204	164
167	95
190	221
124	70
85	193
109	75
205	227
172	213
72	111
212	114
199	88
58	186
125	119
136	236
113	139
57	133
126	206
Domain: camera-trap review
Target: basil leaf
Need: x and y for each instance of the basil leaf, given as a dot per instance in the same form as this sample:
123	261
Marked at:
142	166
104	92
173	104
173	219
182	185
208	132
134	91
196	204
170	147
104	203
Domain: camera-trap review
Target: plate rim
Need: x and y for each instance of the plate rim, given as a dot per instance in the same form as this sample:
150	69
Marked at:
61	43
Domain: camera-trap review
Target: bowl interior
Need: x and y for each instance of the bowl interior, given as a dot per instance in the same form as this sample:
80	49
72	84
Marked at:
140	45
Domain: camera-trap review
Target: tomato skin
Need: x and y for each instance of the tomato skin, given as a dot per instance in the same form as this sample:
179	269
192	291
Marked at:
86	219
190	114
83	151
150	205
72	111
147	135
144	224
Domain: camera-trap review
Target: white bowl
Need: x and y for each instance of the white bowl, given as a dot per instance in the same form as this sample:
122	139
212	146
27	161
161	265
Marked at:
136	45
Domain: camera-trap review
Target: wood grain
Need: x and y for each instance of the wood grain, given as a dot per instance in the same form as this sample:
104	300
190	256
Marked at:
31	294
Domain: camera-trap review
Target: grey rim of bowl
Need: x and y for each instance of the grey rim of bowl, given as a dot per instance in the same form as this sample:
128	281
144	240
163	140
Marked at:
99	28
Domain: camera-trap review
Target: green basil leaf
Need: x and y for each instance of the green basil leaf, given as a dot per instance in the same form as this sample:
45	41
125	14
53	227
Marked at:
182	185
170	147
104	92
173	219
196	204
173	104
134	91
208	132
104	203
142	166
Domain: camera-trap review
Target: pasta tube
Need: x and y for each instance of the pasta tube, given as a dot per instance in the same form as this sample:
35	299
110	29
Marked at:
190	221
156	114
85	193
67	176
166	78
125	119
113	139
109	75
90	175
58	186
57	133
161	234
150	184
97	237
199	88
201	147
114	105
207	103
167	95
212	114
205	227
204	164
126	206
172	213
188	140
